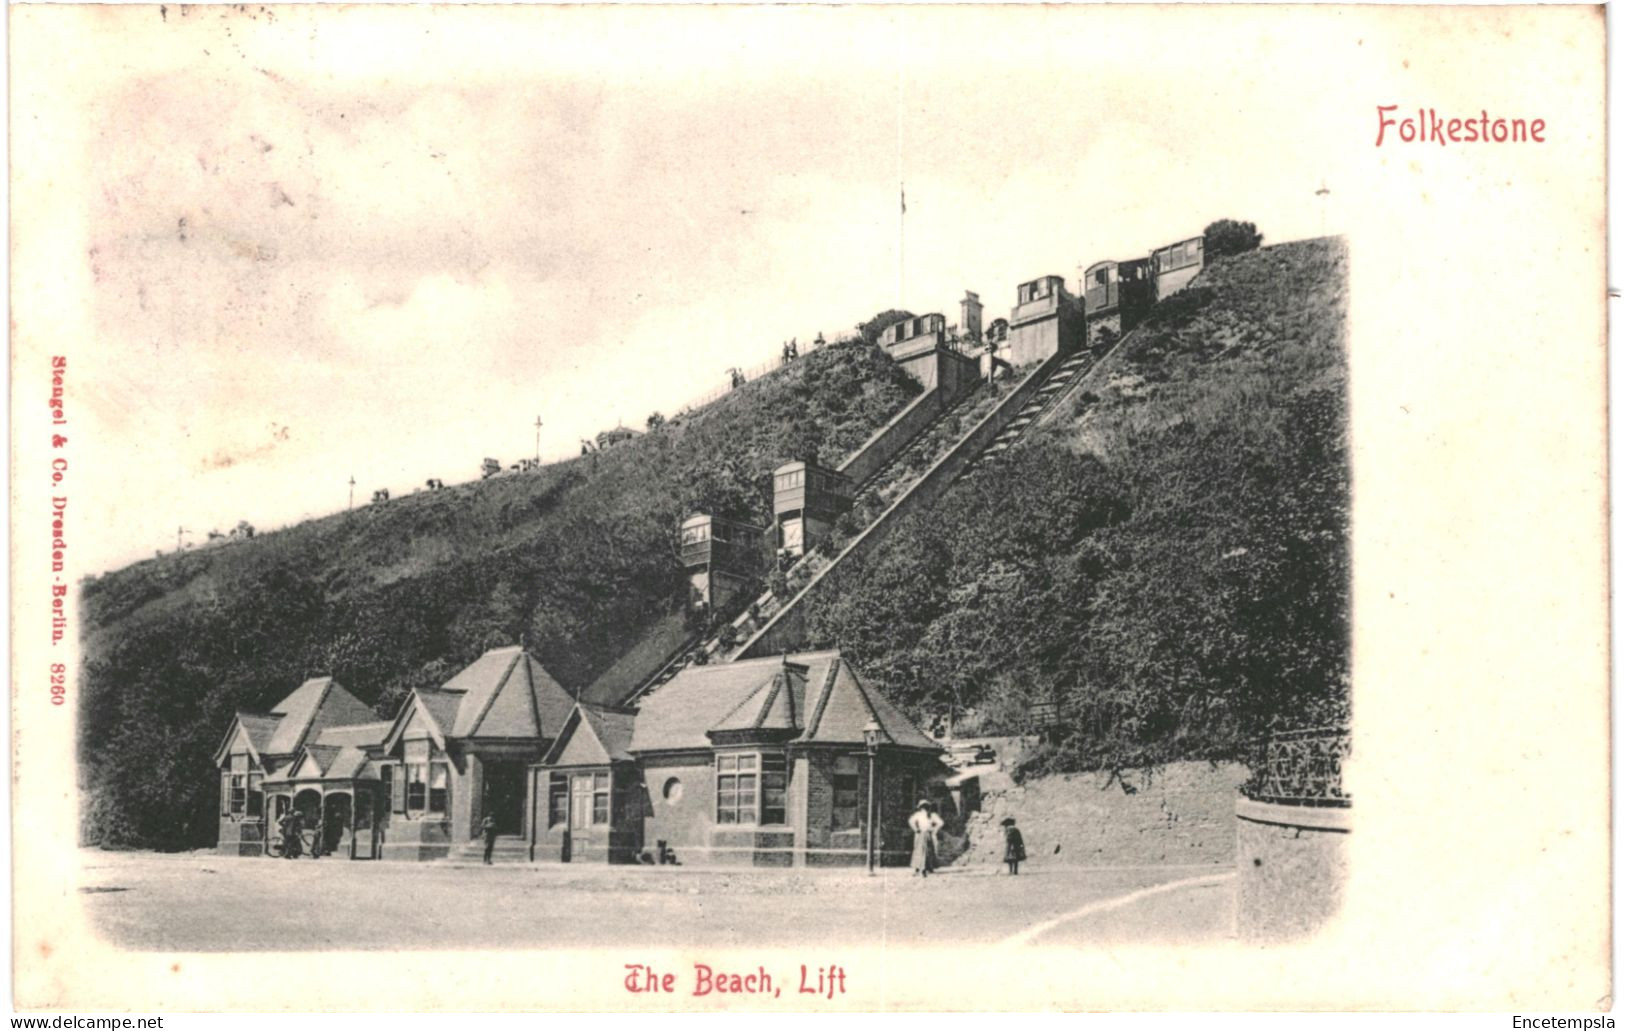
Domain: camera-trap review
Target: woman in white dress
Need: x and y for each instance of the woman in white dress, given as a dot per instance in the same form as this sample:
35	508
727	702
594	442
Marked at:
924	823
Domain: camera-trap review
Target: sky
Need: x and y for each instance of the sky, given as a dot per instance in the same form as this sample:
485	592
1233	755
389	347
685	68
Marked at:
381	243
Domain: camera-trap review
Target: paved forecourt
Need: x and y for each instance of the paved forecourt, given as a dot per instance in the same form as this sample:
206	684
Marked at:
203	902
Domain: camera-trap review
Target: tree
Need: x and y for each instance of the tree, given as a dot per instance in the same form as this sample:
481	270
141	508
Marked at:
872	329
1227	236
655	421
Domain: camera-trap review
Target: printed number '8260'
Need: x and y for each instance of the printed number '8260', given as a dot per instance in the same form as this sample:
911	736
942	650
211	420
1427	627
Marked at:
59	683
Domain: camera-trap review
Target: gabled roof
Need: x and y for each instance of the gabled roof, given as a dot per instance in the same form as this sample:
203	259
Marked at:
361	735
348	764
504	693
777	705
846	707
508	694
316	704
437	709
592	737
256	727
324	762
816	698
679	714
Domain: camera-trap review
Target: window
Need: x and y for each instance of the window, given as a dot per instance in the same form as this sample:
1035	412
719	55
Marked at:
697	534
417	787
386	780
256	795
775	778
600	798
736	789
848	784
790	480
239	793
910	790
439	778
558	800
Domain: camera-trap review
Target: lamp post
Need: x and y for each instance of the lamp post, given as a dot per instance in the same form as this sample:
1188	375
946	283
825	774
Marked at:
871	745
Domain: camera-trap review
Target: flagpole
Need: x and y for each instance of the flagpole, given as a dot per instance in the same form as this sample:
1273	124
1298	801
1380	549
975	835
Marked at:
902	197
902	236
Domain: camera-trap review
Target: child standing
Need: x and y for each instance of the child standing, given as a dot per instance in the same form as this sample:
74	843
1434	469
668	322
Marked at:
1014	849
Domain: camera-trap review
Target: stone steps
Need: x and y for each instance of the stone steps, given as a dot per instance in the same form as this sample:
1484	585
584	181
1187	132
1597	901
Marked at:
509	849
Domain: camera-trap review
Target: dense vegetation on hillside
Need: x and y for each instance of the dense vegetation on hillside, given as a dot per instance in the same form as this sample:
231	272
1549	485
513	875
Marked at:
1166	561
578	557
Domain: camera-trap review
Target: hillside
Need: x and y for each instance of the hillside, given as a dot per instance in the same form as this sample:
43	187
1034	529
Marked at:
1166	560
579	557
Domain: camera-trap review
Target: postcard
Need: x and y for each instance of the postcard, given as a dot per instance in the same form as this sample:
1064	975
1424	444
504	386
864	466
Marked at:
809	508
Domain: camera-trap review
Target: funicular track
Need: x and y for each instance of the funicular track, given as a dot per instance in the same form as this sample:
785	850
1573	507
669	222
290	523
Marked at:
1027	403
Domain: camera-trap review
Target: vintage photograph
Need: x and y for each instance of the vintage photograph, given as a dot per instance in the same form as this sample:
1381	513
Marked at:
702	479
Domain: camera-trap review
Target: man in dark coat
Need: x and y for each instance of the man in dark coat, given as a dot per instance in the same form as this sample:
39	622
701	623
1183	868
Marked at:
290	825
488	828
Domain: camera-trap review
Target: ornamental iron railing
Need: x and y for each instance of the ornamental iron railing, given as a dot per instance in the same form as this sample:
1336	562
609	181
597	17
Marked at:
1302	767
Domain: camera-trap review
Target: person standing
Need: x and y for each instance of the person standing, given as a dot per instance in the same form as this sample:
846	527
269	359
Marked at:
925	839
1015	850
934	826
488	827
293	831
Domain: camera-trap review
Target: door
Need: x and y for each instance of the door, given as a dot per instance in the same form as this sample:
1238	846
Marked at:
505	795
589	804
364	836
336	824
580	813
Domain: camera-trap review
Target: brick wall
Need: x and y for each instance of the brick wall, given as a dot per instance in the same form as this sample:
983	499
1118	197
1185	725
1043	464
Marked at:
683	823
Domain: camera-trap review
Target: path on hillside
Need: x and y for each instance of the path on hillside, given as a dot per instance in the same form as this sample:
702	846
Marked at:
201	902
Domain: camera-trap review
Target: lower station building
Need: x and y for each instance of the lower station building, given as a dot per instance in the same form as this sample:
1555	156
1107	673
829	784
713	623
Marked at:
764	762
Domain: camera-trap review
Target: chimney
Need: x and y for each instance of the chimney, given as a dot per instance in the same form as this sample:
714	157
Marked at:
970	316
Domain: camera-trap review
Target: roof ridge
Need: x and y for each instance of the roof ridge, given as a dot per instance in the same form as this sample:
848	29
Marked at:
556	747
742	703
525	659
823	700
790	700
763	659
776	685
315	710
868	706
485	710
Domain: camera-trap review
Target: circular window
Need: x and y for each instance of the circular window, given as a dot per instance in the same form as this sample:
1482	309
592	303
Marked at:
673	791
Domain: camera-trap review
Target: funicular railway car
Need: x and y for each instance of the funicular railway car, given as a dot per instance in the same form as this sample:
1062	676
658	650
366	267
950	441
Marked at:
807	500
721	557
1175	265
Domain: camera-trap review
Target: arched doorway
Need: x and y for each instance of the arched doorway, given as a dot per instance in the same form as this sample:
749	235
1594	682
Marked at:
336	821
278	806
309	805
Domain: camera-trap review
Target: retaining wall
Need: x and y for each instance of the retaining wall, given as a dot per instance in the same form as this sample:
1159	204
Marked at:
892	437
1181	814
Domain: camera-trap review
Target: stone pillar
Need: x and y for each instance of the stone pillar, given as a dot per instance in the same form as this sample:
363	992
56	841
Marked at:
797	801
473	793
